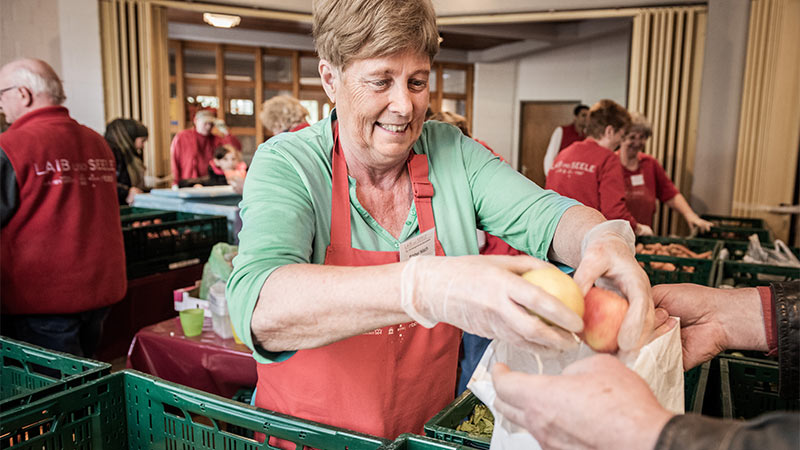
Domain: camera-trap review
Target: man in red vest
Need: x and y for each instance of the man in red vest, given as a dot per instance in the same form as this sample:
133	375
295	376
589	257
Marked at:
62	258
565	135
192	149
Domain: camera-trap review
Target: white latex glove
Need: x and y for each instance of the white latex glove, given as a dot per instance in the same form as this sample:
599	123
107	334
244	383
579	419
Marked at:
643	230
485	295
607	251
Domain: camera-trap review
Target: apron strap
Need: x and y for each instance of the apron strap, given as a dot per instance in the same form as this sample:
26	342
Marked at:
423	193
340	201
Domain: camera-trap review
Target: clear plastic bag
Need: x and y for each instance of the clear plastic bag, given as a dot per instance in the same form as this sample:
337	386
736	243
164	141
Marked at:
218	267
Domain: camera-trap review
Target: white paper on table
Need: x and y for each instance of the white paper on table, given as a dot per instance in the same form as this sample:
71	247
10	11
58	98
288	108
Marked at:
659	363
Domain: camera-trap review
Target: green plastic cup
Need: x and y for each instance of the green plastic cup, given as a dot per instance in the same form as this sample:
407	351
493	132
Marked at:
192	321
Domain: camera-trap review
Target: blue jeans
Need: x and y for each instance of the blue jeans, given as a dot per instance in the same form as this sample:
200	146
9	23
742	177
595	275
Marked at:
77	333
473	347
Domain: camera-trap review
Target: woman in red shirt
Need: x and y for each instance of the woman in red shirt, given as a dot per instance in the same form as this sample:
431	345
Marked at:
646	181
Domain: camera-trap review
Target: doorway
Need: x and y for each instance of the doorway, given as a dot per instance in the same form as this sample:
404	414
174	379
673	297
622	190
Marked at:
537	122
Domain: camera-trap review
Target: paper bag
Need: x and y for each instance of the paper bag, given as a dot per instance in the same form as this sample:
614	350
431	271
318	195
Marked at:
659	363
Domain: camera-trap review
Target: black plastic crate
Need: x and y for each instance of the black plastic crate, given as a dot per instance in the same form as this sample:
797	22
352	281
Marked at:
736	234
741	274
29	373
181	239
687	270
695	381
738	222
131	410
749	388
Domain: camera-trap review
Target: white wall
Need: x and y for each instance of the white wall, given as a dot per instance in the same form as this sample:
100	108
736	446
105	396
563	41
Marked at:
66	34
720	102
587	71
493	112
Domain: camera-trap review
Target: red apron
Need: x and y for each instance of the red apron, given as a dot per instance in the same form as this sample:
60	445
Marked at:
384	382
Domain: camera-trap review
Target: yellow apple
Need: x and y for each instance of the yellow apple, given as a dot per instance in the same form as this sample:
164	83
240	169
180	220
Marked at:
559	285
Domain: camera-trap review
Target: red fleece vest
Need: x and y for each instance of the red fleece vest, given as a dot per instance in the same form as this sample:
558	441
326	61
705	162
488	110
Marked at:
62	251
569	135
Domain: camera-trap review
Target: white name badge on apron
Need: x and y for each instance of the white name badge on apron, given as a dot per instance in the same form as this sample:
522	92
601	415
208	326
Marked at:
422	245
637	180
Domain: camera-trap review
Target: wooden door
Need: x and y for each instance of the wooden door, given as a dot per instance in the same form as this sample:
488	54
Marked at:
538	120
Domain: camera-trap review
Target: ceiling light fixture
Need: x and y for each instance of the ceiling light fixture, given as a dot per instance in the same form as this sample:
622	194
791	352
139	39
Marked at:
221	20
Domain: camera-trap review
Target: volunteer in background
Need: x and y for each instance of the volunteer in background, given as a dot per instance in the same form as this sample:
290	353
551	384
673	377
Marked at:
598	403
283	113
192	149
590	172
348	330
63	258
126	137
565	135
645	180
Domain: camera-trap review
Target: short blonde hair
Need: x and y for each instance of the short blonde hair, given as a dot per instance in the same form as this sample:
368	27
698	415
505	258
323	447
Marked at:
640	124
281	113
345	30
454	119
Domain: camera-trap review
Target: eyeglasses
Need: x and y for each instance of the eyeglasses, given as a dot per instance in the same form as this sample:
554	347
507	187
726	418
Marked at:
3	91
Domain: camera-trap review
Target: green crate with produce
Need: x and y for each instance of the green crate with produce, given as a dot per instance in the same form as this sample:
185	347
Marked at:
30	373
678	260
131	410
444	425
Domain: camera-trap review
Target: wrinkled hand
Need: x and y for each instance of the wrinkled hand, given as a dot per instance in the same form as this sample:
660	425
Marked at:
485	295
609	254
713	320
132	192
696	222
596	403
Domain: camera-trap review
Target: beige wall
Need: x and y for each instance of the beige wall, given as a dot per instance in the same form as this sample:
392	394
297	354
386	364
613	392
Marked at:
66	34
25	31
720	102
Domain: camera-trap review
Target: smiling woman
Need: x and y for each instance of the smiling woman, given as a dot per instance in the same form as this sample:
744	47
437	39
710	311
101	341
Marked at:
347	329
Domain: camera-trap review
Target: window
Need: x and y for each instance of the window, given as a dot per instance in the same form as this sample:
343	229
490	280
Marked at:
234	80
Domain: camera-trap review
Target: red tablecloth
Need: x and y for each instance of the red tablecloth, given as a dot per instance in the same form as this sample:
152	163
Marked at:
206	362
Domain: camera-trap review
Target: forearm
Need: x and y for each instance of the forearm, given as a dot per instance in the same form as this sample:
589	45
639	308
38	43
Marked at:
743	319
679	203
304	306
574	224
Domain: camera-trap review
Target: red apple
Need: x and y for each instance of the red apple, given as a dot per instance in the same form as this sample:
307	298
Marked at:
602	317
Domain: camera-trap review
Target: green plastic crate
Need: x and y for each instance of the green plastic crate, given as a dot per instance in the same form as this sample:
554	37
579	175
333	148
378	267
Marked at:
413	442
29	373
749	388
738	222
443	425
131	410
741	274
704	269
695	381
